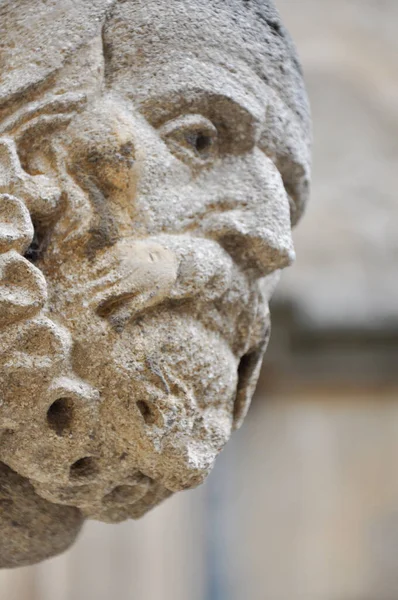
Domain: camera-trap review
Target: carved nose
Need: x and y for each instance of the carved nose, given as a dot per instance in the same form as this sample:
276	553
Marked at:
257	243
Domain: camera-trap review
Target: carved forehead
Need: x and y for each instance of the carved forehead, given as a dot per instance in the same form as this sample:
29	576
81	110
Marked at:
230	33
136	32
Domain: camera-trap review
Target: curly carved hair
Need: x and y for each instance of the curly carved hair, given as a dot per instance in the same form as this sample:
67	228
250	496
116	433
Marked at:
36	378
37	383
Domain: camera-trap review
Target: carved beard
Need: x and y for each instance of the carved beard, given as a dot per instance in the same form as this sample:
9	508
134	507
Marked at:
159	333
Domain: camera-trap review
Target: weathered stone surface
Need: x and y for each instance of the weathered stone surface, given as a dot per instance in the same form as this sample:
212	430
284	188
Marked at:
32	529
153	157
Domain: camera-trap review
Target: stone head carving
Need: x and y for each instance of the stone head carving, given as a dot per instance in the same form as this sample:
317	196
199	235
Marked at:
153	158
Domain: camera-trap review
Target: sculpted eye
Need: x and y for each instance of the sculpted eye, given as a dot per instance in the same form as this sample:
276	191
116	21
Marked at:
191	137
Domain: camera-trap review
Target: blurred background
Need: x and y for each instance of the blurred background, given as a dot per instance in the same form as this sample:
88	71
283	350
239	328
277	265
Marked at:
303	503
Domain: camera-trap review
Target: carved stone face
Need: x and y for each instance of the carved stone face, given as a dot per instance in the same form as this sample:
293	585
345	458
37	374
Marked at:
175	181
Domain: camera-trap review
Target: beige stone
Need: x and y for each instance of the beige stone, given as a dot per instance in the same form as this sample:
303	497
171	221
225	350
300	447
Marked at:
153	157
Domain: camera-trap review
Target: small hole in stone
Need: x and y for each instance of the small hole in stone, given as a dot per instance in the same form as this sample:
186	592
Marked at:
60	416
146	412
84	468
38	244
203	142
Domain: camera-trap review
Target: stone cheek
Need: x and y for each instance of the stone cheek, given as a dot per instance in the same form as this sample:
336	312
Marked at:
140	238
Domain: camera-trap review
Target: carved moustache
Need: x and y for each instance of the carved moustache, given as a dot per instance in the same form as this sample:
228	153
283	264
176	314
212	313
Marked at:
135	275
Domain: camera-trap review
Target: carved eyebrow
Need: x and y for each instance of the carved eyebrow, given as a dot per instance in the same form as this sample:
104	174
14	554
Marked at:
159	109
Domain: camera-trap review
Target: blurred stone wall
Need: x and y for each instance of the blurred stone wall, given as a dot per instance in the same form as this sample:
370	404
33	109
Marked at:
346	273
316	487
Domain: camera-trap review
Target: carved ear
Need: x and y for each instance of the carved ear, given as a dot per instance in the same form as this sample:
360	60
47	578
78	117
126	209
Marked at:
23	289
40	193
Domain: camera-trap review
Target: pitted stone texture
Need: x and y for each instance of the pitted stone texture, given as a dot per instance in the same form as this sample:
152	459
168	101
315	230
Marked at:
151	168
